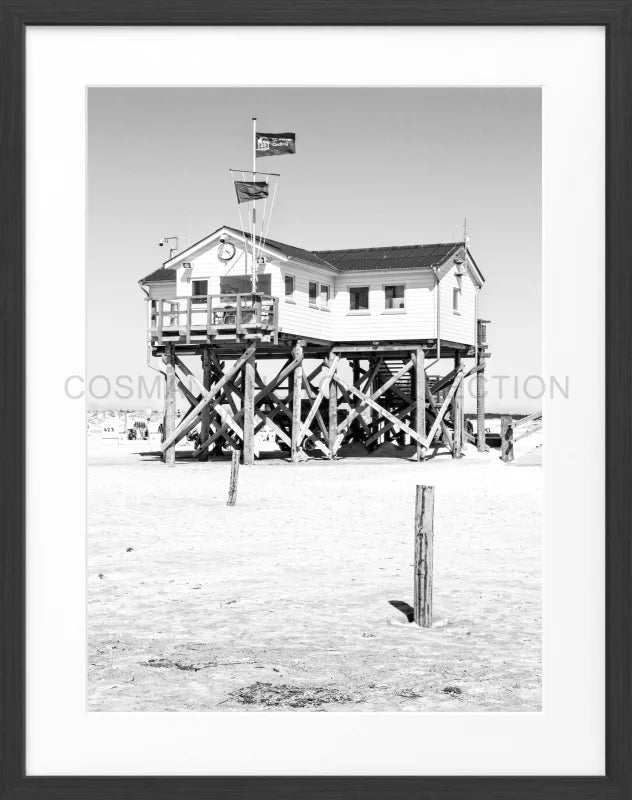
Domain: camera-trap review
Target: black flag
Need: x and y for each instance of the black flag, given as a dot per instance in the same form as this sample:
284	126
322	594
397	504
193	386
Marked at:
250	190
275	144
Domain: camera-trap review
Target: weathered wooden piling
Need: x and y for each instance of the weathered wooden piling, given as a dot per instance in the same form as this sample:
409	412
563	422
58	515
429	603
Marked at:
332	427
249	410
506	438
424	535
420	399
234	475
481	355
169	360
297	395
207	378
457	413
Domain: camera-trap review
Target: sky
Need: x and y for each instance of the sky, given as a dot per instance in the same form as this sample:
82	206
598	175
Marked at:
374	166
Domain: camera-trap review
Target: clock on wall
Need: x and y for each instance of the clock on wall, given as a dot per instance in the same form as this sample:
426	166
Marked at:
226	251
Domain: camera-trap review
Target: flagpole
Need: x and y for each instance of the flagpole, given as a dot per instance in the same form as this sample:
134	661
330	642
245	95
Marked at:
254	211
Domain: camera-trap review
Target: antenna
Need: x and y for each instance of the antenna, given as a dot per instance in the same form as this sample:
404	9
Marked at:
253	277
166	239
460	264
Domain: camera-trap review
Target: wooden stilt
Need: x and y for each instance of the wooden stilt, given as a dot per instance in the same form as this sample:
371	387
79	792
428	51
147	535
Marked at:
249	410
297	393
457	414
480	386
333	409
424	535
169	361
371	388
207	377
420	399
480	409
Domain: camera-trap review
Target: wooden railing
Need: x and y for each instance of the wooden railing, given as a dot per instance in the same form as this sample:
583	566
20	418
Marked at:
215	316
512	432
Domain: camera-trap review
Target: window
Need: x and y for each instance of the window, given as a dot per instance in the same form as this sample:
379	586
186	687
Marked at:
199	290
394	297
359	298
324	296
242	284
456	297
313	293
289	287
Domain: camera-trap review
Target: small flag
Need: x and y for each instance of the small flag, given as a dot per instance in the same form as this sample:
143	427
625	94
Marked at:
275	144
250	190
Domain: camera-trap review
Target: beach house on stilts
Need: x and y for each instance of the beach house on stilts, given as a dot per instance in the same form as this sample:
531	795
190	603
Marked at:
386	311
354	331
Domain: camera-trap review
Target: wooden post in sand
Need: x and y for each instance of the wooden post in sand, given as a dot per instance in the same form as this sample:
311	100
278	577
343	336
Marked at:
234	474
297	395
506	438
169	360
424	535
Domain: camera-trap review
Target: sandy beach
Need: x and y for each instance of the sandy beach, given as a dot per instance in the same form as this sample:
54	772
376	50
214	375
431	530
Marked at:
281	602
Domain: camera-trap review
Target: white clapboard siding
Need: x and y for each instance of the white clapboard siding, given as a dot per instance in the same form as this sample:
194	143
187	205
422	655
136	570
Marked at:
295	314
461	326
418	319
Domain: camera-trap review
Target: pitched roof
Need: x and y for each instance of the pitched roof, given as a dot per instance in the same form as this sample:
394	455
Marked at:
363	259
159	276
368	259
288	250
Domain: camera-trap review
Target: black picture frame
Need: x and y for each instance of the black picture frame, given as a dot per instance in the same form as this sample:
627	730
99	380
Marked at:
616	17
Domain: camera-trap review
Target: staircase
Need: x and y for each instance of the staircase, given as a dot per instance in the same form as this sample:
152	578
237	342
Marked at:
388	368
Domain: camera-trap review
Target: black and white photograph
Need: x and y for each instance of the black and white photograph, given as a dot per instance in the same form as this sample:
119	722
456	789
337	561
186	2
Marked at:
315	444
315	417
314	428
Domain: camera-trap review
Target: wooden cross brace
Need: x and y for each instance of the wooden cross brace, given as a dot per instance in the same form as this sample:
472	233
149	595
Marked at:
214	404
186	425
368	400
270	387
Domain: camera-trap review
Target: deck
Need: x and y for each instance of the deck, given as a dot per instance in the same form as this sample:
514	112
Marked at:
207	319
230	322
